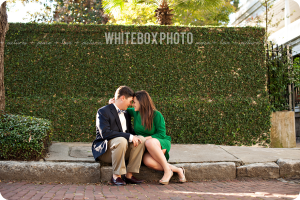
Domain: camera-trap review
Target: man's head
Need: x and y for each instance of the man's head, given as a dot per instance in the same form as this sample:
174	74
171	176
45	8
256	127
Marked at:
123	97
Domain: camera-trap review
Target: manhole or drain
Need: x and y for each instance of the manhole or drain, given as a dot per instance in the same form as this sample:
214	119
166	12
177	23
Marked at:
81	152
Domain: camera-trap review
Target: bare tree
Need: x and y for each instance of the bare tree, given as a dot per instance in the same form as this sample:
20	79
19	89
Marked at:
3	30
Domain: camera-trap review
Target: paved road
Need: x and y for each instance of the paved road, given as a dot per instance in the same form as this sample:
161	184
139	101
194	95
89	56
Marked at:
237	189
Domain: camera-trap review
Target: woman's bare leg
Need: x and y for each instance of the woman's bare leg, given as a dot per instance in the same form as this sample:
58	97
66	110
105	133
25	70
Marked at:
156	159
153	164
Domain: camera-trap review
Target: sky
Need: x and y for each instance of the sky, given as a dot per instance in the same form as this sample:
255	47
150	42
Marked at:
17	12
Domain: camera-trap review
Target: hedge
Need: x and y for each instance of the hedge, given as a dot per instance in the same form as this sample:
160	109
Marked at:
23	137
210	89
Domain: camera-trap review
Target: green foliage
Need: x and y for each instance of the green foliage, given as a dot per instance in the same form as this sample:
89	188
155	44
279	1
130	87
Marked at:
185	13
296	65
230	121
141	12
70	11
85	12
192	14
73	118
209	91
23	137
281	74
132	13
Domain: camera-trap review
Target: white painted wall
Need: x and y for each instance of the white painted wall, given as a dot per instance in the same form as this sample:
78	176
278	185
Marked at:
285	15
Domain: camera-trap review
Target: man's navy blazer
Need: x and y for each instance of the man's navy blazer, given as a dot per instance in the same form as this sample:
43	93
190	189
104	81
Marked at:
108	126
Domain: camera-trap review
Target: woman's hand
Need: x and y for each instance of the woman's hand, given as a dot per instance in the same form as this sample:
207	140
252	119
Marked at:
111	101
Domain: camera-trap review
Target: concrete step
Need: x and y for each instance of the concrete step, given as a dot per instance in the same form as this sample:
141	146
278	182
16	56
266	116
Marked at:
73	163
79	172
194	171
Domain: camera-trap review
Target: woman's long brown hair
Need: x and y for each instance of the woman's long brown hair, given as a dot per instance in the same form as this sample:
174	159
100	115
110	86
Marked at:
146	108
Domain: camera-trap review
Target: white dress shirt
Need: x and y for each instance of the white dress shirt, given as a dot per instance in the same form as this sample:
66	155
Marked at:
123	122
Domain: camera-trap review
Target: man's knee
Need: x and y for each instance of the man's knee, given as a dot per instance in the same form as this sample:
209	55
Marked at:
142	139
119	142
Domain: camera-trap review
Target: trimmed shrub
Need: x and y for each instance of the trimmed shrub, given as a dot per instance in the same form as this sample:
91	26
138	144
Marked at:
23	137
211	89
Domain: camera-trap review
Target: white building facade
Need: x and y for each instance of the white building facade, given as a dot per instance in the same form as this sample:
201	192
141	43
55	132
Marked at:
284	16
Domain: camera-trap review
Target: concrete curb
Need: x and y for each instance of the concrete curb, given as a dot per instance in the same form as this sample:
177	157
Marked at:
206	171
92	172
194	171
288	168
80	172
50	171
262	170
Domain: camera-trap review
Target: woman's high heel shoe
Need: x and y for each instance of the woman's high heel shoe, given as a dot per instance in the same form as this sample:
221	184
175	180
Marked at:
182	180
166	182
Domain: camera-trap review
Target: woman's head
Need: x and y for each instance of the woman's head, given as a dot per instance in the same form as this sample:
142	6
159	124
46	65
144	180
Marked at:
143	103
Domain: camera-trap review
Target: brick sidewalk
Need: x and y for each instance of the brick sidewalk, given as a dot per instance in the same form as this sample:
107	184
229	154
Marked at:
236	189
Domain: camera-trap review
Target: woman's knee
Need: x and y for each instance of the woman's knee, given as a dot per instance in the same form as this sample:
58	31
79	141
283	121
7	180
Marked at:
151	143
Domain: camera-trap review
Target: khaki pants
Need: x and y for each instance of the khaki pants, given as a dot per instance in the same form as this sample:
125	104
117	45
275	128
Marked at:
118	151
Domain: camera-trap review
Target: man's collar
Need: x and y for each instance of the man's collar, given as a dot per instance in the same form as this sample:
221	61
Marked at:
116	106
119	110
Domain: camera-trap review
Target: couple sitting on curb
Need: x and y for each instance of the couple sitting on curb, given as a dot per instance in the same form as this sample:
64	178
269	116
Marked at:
116	141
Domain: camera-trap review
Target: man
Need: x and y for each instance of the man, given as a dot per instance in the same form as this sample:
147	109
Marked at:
116	141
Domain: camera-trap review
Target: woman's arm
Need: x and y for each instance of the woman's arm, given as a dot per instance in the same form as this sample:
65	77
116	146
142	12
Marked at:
160	125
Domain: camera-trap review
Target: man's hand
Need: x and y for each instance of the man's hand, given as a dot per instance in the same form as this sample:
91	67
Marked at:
111	101
136	141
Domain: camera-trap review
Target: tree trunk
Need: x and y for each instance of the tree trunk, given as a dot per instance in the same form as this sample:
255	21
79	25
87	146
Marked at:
163	14
3	30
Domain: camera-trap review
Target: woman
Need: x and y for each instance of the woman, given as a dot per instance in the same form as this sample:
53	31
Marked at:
150	123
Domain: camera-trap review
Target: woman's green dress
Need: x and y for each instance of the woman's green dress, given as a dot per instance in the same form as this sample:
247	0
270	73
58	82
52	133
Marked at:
158	130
